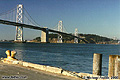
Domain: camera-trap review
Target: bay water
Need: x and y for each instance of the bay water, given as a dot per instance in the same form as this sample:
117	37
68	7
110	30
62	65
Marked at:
72	57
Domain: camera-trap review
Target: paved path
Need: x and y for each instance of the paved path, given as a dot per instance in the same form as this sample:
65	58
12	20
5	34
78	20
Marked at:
23	73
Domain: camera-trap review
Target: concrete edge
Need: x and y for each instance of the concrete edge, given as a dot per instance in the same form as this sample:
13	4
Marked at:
50	69
54	70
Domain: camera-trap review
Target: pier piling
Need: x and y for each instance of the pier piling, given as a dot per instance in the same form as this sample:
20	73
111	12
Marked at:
97	64
114	66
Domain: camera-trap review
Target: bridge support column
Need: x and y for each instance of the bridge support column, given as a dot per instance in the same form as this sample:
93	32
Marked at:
60	28
76	34
45	36
19	19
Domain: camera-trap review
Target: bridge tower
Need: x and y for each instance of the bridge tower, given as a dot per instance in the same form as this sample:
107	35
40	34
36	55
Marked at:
76	34
60	28
19	19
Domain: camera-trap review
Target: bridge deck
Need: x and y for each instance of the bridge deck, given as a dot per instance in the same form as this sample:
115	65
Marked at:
37	28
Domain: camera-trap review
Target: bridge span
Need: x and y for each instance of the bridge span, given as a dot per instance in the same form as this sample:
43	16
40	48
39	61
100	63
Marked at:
17	17
45	31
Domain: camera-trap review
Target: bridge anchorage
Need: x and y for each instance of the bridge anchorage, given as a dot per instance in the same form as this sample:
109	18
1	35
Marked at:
45	35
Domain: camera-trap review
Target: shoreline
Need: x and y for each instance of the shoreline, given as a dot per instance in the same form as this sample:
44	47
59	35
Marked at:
58	43
28	73
53	70
50	69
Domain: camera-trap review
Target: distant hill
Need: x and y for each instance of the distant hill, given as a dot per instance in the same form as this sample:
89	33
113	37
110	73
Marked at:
90	38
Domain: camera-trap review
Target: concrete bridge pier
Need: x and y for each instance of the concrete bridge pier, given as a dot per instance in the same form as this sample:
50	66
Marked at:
45	35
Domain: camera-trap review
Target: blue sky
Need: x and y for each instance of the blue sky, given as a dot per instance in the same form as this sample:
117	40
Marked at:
101	17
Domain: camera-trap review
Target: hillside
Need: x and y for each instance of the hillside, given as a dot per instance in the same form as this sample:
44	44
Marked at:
90	38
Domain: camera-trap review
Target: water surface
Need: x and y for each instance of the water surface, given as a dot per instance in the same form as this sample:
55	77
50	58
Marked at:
73	57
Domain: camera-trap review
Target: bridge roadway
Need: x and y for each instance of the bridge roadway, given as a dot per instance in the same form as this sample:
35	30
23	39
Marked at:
37	28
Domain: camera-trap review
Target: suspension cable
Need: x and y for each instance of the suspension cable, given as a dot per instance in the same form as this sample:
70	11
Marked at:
11	10
31	17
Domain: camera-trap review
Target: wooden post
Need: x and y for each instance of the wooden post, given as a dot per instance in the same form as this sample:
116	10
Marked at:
97	64
114	64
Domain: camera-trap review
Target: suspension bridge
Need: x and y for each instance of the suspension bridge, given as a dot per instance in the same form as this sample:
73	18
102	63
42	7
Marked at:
20	18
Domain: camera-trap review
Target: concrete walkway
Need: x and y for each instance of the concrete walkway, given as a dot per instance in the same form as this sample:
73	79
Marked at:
17	72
